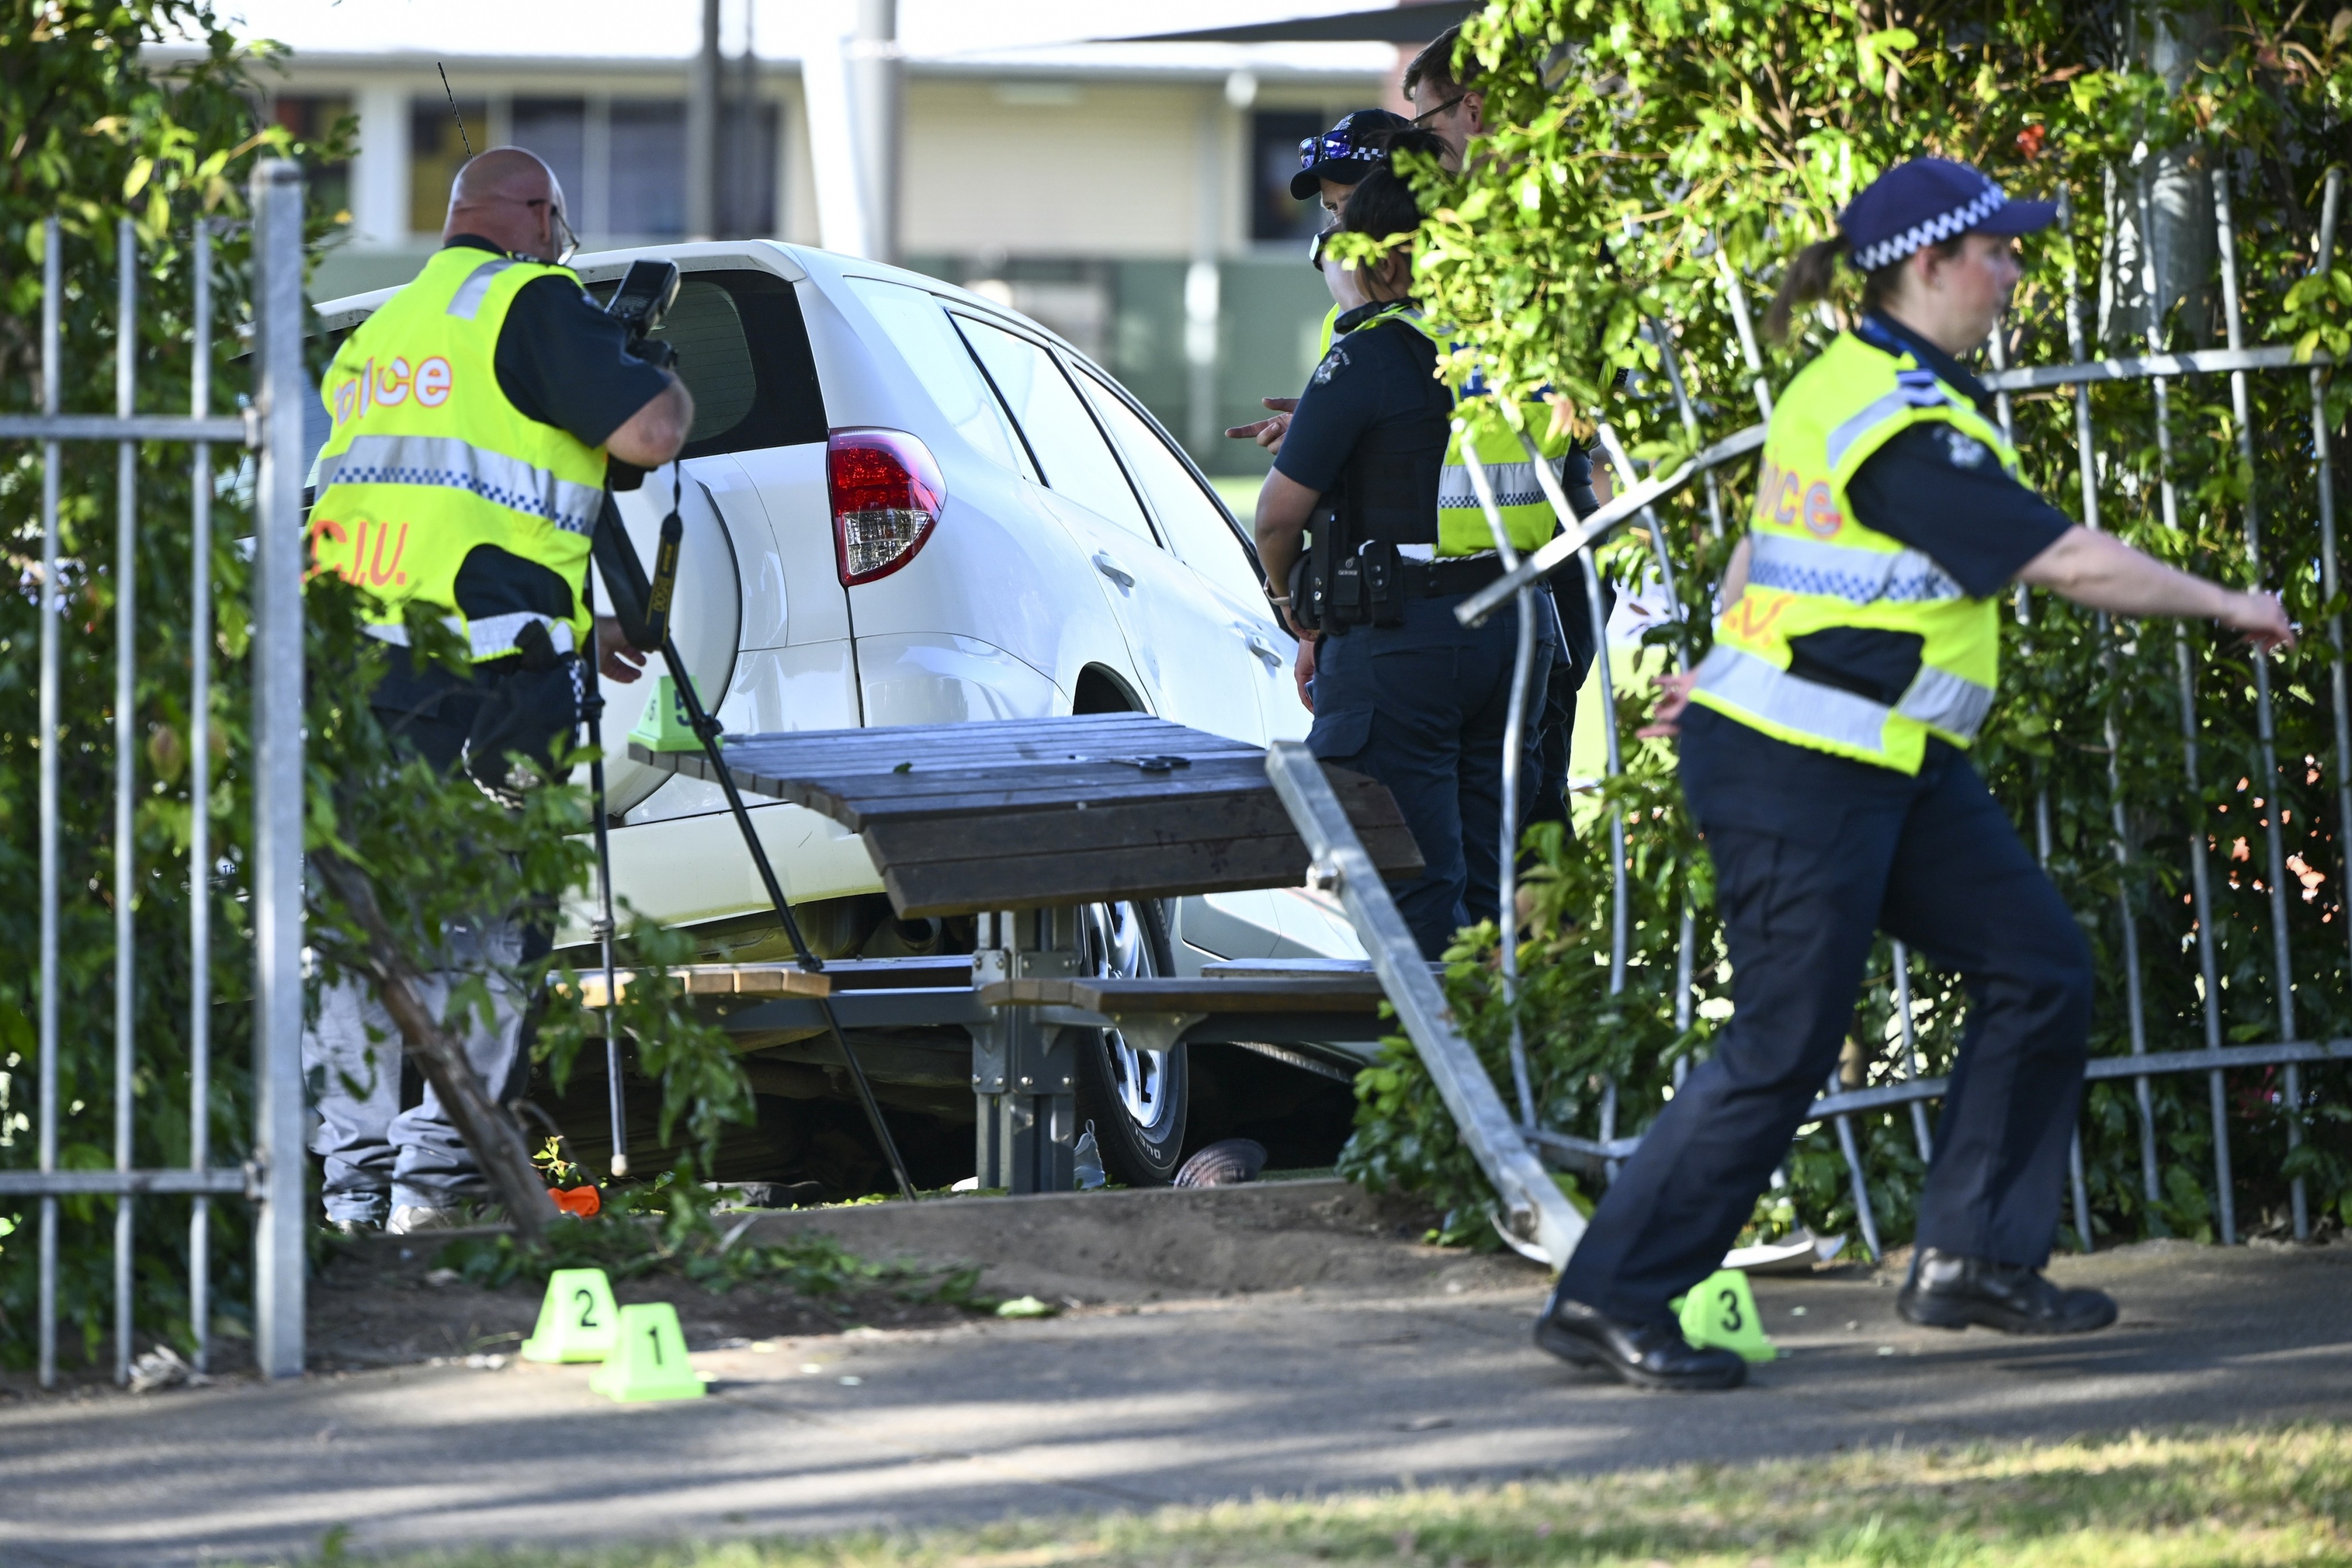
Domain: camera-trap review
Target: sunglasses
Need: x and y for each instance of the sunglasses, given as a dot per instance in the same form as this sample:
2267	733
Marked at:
1434	113
1332	147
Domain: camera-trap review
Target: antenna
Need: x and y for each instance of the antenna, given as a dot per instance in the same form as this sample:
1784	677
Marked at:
453	107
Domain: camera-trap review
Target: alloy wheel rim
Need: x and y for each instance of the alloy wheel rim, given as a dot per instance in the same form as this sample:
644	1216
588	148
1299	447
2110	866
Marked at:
1118	949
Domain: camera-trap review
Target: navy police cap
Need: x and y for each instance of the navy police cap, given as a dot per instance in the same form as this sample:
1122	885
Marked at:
1928	200
1345	153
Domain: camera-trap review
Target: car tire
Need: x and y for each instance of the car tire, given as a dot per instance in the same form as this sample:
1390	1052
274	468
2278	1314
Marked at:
1137	1099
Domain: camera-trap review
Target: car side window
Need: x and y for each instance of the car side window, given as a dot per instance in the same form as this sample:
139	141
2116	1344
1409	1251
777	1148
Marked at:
918	328
1195	523
744	352
1077	461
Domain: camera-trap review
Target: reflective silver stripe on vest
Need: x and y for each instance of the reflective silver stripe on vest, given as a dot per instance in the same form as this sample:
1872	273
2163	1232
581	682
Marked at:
1951	703
1841	572
1913	389
470	294
1936	697
1515	484
1792	703
487	637
452	464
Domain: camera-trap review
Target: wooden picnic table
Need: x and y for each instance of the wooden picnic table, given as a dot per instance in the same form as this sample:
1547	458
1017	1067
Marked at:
1034	813
1021	823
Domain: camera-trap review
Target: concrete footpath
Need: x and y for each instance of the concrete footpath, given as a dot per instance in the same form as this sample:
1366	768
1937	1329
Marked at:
1130	1405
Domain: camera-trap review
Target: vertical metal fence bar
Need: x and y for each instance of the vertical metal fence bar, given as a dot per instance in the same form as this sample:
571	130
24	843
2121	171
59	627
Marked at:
1670	357
200	762
277	772
2135	1001
1736	294
1863	1216
2330	207
1687	920
2242	413
1620	912
52	386
1506	862
2331	201
1919	1133
126	764
2185	673
2269	802
1998	347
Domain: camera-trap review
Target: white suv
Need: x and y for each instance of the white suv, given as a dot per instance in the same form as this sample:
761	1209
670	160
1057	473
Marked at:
907	505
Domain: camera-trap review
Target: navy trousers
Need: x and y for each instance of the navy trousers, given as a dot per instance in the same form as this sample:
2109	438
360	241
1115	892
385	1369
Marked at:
1812	854
1422	706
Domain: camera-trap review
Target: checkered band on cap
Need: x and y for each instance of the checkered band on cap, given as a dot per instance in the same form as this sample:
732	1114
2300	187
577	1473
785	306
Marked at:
1928	231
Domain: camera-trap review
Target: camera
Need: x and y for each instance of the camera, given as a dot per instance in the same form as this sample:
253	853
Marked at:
646	292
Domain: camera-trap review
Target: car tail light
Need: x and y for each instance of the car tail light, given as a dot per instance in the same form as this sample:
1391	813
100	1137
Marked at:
887	495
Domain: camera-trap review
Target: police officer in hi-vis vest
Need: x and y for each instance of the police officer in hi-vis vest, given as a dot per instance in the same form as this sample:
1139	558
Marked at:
472	415
1824	754
1401	691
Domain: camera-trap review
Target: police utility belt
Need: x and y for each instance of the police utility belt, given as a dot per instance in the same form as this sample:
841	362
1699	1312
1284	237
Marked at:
1368	586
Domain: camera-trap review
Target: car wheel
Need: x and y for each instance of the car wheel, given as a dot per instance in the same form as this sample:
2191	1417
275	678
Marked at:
1135	1097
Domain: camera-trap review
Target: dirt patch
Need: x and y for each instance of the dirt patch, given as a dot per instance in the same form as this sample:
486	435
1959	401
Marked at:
1165	1242
385	1301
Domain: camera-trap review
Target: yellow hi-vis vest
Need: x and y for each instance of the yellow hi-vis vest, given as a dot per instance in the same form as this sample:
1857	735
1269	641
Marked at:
428	458
1527	516
1814	567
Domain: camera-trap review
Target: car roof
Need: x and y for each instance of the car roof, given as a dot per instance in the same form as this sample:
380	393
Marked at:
793	262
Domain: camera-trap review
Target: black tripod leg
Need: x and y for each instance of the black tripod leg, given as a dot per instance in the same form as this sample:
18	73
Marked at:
706	727
593	712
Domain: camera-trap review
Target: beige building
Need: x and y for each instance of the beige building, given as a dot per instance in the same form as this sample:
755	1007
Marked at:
1132	196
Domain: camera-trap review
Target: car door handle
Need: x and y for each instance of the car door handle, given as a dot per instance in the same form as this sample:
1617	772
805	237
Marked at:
1265	650
1113	570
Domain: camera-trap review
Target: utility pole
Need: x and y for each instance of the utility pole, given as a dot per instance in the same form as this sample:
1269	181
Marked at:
876	72
702	132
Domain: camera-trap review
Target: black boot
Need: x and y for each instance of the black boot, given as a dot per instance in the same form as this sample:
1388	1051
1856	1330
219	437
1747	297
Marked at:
1647	1355
1946	1290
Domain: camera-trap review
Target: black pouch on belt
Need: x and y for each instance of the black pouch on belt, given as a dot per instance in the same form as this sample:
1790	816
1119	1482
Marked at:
510	749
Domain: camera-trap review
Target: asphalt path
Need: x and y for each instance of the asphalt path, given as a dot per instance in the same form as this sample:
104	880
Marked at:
1130	1405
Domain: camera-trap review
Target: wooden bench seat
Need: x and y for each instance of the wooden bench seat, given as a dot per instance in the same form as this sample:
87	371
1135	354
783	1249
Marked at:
786	979
1115	998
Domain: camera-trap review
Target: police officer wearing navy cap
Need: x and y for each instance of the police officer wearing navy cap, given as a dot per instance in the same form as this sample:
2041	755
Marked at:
1328	167
1374	468
1824	754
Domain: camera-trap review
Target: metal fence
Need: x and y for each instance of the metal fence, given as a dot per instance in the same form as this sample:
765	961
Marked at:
1634	505
273	1176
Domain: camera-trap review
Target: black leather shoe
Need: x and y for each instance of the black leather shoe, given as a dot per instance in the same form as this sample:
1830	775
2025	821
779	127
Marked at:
1647	1355
1946	1290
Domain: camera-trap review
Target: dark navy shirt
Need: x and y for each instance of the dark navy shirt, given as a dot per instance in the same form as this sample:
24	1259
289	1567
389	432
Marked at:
1941	492
1382	379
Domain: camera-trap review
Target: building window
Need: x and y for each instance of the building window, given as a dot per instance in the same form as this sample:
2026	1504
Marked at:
327	187
436	151
1275	214
648	178
557	130
746	170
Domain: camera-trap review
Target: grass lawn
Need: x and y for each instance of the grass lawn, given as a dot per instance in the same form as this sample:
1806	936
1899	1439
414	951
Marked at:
2277	1494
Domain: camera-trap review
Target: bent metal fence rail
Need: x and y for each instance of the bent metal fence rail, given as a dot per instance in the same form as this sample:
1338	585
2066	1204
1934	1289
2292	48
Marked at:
273	1178
1634	506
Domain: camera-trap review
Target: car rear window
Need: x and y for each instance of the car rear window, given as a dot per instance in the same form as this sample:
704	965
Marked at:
744	352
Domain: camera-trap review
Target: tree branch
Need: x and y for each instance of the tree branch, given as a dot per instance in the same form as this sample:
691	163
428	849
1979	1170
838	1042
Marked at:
487	1130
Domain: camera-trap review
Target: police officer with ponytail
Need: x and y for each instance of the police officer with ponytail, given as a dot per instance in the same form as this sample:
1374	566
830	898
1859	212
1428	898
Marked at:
1401	691
1824	749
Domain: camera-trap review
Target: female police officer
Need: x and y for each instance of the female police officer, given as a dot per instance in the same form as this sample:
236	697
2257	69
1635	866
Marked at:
1823	754
1401	691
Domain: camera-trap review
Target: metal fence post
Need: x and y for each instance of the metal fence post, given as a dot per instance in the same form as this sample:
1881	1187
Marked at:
200	793
279	1227
126	767
52	384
